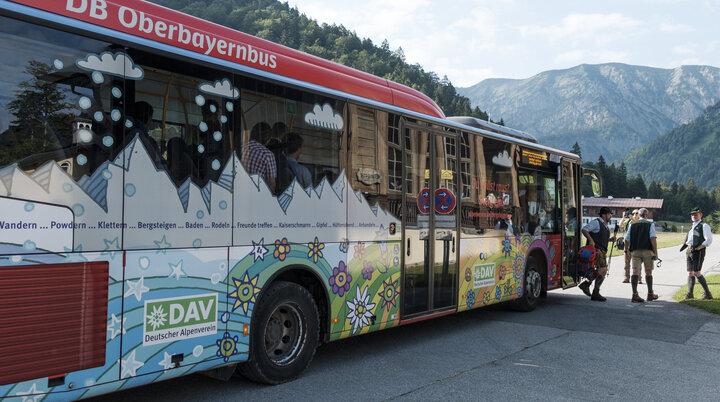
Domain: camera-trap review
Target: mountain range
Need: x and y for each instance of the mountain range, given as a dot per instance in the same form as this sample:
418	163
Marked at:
608	109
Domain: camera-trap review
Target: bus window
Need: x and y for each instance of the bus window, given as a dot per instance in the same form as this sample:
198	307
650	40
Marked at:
538	203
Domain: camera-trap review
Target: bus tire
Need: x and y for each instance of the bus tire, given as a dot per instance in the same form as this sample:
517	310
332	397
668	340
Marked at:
532	286
284	334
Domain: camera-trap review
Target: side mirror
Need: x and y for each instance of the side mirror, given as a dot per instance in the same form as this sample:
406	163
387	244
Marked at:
595	181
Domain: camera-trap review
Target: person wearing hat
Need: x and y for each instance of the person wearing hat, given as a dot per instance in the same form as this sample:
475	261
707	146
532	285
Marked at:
629	217
597	234
698	239
641	242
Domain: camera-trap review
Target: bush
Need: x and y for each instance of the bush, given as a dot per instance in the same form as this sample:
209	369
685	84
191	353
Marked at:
673	228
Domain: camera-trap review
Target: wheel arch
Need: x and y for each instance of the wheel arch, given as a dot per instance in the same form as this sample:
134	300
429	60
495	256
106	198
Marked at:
543	260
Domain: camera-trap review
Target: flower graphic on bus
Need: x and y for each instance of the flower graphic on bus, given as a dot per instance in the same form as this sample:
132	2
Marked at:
388	292
360	310
156	318
507	246
227	346
468	274
315	250
282	248
245	292
367	270
340	279
470	298
359	250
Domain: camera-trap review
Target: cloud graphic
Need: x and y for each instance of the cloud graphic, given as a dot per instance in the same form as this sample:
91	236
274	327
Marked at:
502	159
221	88
324	117
118	64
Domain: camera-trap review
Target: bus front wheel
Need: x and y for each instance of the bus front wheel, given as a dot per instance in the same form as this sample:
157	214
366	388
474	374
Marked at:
284	334
532	286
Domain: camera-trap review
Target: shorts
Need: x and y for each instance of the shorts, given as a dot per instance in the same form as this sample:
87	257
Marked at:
640	257
601	259
695	260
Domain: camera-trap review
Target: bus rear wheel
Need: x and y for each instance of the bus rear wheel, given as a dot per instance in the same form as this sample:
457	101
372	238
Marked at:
532	286
284	334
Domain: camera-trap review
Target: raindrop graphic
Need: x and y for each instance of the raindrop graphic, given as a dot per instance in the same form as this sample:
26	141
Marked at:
81	159
200	100
229	106
115	115
16	258
108	141
201	148
58	64
225	317
116	92
29	245
200	214
128	123
98	116
67	187
107	174
84	102
223	119
217	136
78	209
203	126
85	135
29	206
216	164
213	108
130	189
197	243
215	278
97	77
197	351
223	205
144	262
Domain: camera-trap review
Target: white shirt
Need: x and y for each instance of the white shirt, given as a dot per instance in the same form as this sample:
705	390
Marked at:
706	232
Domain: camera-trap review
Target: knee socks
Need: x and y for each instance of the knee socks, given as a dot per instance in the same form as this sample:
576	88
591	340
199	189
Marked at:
598	282
634	282
691	284
704	284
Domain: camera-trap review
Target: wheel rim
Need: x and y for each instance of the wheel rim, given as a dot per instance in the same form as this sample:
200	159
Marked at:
534	285
284	334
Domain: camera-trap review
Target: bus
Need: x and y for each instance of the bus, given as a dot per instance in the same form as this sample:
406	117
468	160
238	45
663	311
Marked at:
156	219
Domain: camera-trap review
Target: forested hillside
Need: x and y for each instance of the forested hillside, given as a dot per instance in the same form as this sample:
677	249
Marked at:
690	151
278	22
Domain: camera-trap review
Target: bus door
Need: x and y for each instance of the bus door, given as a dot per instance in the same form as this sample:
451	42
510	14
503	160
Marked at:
570	181
430	220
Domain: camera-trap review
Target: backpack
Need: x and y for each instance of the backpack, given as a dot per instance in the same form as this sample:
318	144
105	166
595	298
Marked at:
587	262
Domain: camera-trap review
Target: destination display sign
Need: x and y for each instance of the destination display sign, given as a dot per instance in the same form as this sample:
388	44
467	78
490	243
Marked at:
534	158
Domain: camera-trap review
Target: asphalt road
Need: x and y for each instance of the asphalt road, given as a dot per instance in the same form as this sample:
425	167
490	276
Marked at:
569	348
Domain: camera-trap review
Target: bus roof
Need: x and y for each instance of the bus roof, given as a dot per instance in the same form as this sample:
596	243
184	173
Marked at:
160	24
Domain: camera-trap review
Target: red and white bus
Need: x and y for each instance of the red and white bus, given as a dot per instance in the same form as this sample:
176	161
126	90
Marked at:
177	196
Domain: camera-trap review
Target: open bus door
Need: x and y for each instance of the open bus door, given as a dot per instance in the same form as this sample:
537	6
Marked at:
571	177
430	221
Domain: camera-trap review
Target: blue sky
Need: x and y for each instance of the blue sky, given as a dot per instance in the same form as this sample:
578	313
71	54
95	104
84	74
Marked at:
471	40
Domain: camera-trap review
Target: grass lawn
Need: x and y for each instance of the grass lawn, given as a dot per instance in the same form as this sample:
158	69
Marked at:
664	239
713	305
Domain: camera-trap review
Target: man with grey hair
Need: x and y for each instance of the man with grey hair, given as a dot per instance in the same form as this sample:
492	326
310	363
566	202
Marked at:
641	241
698	239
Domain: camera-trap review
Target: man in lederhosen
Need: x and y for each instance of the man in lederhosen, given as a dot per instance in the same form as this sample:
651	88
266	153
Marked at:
698	239
641	242
597	234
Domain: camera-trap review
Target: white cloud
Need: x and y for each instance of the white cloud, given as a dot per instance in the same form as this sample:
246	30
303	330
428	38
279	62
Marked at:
222	88
675	28
119	64
573	26
324	117
502	159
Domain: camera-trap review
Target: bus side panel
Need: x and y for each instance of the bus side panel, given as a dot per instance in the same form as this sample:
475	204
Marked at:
492	269
553	246
74	384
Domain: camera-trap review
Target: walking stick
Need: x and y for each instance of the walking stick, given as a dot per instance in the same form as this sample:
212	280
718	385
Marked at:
611	250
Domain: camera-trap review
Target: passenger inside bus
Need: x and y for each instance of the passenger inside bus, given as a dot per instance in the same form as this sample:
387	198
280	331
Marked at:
258	159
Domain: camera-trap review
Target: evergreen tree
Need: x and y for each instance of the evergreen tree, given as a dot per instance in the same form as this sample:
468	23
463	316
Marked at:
576	150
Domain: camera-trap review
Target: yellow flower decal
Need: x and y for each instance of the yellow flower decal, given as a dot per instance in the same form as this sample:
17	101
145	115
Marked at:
282	248
315	250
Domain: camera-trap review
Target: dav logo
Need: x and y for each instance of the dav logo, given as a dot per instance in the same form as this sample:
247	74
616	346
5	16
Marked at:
178	318
484	275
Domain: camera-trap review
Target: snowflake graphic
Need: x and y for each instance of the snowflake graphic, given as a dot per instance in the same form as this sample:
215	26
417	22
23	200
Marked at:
157	318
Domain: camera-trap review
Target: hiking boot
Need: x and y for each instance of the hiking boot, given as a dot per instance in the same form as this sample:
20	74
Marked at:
597	297
637	299
652	296
687	297
627	280
706	296
585	287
